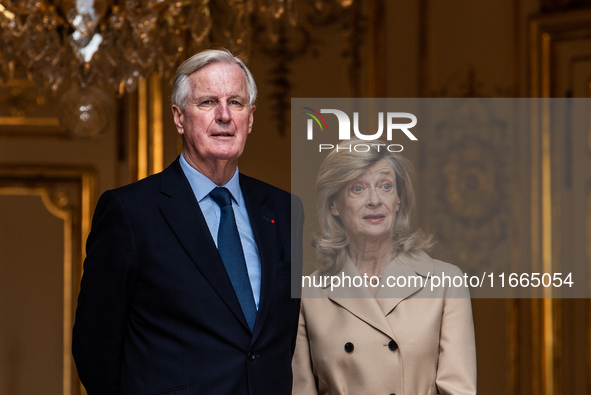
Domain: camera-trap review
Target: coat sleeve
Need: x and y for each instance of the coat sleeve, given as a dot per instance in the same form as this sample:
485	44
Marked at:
304	379
110	270
456	370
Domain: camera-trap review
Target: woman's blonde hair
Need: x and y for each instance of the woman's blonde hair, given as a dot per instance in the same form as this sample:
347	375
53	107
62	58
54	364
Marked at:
338	169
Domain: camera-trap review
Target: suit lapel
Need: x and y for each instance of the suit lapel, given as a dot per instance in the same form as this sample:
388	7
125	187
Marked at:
265	234
184	216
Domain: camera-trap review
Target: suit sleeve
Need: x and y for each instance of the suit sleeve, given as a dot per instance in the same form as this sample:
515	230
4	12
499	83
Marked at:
110	269
297	262
304	379
456	370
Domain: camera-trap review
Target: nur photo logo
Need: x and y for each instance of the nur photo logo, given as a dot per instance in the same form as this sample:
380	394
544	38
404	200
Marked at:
392	121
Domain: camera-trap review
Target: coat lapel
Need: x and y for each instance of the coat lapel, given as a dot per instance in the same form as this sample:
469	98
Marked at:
359	301
414	271
184	216
265	234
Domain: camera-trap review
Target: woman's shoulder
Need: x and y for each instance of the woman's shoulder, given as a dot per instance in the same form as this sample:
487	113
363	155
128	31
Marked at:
315	284
424	263
443	278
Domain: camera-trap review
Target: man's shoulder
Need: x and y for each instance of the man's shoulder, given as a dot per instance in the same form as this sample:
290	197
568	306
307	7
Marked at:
276	198
254	184
144	187
148	185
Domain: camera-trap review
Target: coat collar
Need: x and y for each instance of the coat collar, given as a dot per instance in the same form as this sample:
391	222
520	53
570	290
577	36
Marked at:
414	269
360	302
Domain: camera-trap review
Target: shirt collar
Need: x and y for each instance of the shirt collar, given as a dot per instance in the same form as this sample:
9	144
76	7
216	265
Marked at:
202	185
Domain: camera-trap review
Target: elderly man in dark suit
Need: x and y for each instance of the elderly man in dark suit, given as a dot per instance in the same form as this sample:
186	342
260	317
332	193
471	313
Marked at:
186	285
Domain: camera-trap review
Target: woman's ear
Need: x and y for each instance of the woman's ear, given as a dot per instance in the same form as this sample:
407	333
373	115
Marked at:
333	209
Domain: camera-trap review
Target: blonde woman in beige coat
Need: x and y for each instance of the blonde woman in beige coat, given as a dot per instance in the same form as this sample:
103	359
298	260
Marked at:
390	329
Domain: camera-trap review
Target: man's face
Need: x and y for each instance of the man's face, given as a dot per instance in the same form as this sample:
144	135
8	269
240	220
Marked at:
217	119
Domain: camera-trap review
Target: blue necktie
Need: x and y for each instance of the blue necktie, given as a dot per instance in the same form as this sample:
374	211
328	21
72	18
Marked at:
230	249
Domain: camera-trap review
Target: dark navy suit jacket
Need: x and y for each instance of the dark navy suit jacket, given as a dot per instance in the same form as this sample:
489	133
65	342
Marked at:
157	313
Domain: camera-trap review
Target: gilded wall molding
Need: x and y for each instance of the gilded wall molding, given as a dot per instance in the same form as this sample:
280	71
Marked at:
544	321
558	43
75	114
67	193
25	113
545	33
145	123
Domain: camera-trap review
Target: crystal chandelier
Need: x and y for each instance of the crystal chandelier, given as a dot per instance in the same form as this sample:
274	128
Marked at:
115	43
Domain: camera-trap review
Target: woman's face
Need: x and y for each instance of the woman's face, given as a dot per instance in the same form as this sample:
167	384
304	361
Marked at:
367	206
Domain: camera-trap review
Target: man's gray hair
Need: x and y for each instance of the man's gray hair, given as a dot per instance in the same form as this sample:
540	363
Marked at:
181	86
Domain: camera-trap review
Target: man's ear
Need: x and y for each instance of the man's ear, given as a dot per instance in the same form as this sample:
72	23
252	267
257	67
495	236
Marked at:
177	113
251	118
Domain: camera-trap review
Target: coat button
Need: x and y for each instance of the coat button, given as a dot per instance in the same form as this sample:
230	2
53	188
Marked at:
392	345
349	347
252	357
